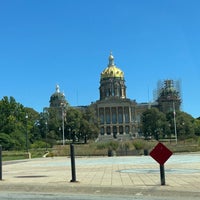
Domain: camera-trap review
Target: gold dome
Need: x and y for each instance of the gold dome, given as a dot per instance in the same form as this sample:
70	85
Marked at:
112	71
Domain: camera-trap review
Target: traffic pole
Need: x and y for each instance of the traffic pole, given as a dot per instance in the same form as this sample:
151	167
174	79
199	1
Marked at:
162	174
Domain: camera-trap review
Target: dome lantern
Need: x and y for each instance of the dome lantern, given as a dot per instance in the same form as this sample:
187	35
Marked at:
112	71
111	60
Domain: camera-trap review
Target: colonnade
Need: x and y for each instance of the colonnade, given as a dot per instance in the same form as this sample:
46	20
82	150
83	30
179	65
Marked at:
115	120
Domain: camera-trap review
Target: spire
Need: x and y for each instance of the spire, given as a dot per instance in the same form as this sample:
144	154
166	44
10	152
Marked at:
111	60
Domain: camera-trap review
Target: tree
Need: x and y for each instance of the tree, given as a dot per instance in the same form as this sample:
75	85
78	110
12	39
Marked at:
183	122
31	124
185	128
154	124
6	141
197	127
73	123
11	115
14	124
89	125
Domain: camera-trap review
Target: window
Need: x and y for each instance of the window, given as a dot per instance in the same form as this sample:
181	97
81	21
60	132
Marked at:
120	115
108	130
121	130
114	116
126	111
127	129
107	115
102	131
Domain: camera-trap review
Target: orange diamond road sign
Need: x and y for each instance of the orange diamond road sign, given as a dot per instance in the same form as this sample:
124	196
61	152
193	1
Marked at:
160	153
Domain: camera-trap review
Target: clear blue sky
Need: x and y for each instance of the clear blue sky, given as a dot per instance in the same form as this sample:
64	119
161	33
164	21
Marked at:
67	42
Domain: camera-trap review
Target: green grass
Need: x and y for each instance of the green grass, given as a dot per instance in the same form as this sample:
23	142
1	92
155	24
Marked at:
18	155
13	155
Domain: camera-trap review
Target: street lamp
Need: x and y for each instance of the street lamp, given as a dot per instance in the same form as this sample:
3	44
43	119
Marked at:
26	132
63	122
69	130
46	134
175	130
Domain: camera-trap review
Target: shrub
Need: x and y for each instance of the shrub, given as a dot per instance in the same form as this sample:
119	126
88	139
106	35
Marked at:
113	145
40	144
102	146
139	144
199	141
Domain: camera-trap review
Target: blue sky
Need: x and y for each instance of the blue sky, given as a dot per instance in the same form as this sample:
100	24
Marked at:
67	42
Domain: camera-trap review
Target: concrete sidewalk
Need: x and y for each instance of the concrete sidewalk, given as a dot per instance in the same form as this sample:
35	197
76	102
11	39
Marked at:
123	175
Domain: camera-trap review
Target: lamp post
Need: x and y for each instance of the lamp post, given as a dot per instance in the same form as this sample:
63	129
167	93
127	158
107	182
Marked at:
63	122
69	130
26	132
46	133
175	130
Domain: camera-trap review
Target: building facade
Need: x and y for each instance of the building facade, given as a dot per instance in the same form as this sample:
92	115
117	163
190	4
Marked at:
120	117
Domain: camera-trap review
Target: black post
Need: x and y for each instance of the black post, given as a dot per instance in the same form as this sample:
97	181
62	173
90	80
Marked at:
26	133
162	174
0	163
73	167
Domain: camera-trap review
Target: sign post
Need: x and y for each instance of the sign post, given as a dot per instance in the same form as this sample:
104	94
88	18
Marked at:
162	174
161	154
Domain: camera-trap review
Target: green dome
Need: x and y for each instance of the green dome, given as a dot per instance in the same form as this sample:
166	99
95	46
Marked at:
57	98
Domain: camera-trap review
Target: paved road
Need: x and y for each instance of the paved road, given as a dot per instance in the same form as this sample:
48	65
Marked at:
139	196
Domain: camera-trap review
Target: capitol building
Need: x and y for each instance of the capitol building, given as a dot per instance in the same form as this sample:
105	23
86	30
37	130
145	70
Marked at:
120	117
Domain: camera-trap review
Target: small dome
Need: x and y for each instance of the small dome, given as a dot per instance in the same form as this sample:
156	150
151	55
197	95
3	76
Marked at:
57	97
112	71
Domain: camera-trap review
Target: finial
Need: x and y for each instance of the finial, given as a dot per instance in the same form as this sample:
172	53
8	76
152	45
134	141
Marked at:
111	59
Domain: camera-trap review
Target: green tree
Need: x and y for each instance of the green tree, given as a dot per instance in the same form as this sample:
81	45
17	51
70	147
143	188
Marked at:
89	125
11	115
73	123
185	128
154	124
184	124
197	127
14	123
6	141
30	123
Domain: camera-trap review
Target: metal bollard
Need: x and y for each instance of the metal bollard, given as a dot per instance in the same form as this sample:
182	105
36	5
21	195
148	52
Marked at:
73	167
0	162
